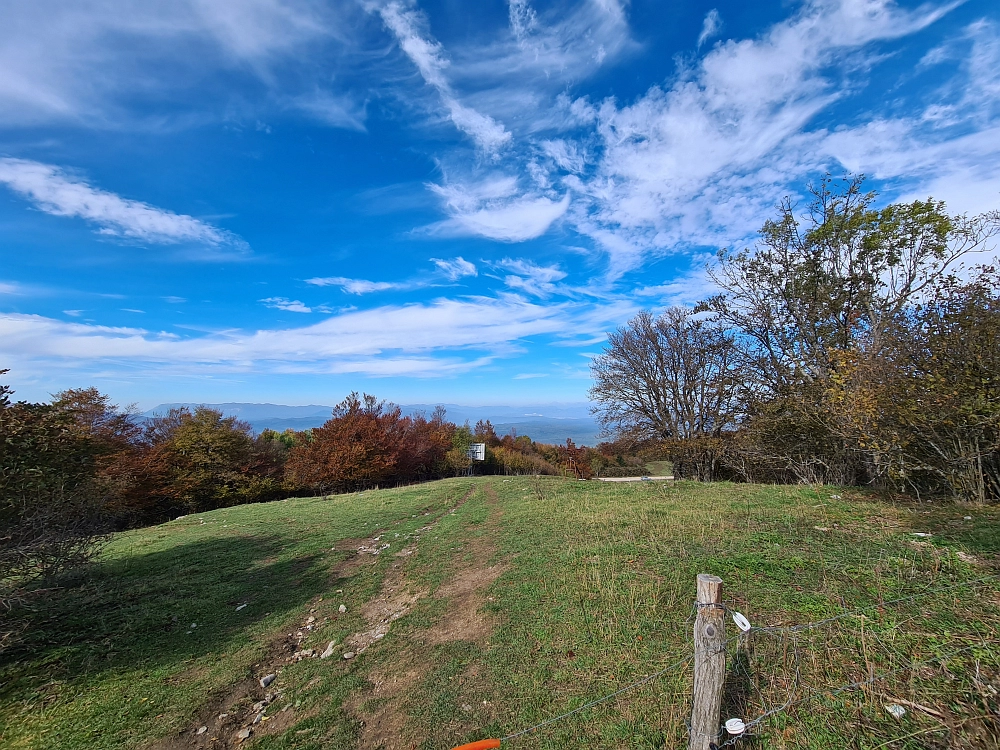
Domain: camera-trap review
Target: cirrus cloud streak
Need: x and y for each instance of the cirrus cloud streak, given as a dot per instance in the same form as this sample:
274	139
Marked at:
54	192
401	339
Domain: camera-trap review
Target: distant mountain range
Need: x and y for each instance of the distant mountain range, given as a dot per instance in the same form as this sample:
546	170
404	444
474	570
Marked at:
544	423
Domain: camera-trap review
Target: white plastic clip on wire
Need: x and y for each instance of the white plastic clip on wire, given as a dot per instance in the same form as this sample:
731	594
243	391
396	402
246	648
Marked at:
735	726
741	622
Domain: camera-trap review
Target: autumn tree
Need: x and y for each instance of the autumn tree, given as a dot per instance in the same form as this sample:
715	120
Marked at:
359	446
575	461
926	415
485	432
52	514
822	288
200	460
425	445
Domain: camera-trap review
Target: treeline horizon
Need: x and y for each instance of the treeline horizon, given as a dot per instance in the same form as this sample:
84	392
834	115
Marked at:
77	468
143	469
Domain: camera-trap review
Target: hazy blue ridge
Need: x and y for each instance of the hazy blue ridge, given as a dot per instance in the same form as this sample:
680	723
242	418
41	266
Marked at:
544	423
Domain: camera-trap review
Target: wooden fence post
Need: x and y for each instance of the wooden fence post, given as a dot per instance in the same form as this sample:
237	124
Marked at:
709	664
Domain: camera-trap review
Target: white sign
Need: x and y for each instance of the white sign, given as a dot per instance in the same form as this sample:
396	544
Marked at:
477	452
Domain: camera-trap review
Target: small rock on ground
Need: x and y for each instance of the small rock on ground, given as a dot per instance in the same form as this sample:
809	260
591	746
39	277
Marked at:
348	654
201	730
342	609
244	734
329	651
267	680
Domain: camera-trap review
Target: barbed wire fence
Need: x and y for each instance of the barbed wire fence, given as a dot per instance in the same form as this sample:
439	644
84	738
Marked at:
773	671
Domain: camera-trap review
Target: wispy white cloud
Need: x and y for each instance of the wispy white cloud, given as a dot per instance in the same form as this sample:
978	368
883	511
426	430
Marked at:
530	278
959	170
9	287
696	162
950	149
404	339
409	26
699	162
523	19
522	267
336	110
710	27
513	221
288	305
543	53
566	155
53	191
73	313
452	270
494	208
357	286
456	268
687	288
81	61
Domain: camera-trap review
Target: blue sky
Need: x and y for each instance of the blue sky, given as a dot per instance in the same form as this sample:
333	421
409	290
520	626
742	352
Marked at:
285	200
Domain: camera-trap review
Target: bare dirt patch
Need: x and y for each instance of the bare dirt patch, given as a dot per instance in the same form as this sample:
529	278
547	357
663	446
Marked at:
354	561
380	708
240	706
394	600
465	594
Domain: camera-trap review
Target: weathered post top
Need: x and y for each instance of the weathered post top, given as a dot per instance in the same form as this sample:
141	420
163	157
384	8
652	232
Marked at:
709	589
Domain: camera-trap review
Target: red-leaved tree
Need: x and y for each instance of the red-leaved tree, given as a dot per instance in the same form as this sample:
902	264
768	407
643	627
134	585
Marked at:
359	446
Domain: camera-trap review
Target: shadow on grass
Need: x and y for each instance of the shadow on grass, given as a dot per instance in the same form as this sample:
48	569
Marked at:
154	611
739	685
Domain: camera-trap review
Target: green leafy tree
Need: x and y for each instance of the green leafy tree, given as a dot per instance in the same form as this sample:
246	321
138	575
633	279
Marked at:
821	289
834	278
457	457
200	460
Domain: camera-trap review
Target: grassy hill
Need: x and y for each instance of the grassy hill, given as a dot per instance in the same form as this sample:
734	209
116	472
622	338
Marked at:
493	604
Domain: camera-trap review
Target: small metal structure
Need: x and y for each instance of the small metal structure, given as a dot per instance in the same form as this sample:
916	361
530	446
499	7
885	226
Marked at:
477	451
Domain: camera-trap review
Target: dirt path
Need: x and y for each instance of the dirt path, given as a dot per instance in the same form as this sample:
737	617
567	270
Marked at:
229	713
233	715
381	707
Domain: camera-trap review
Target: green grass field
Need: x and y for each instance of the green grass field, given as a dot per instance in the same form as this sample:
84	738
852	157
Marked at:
499	603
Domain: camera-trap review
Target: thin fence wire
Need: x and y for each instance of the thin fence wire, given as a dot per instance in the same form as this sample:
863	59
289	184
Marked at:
779	630
878	605
811	693
598	701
